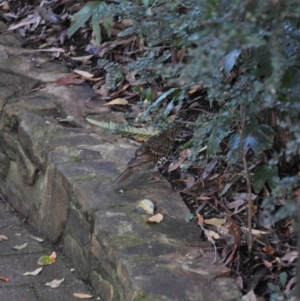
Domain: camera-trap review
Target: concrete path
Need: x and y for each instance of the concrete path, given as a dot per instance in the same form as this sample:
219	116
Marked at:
14	263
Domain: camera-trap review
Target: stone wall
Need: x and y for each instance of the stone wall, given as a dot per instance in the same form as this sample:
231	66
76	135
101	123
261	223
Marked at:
58	175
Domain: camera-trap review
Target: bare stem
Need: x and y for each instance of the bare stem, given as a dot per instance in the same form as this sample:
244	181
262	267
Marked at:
248	178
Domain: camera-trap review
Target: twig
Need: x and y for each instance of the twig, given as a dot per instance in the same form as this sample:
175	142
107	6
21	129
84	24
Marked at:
6	203
248	178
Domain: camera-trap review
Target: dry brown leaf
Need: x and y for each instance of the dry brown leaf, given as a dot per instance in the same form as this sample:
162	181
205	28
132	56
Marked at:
268	264
180	55
53	256
194	89
71	79
3	237
82	296
239	281
235	204
118	101
200	219
290	256
190	180
290	284
36	19
268	250
182	155
5	6
4	279
127	22
157	218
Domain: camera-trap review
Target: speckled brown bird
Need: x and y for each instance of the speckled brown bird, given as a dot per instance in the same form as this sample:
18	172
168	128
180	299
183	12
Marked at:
148	155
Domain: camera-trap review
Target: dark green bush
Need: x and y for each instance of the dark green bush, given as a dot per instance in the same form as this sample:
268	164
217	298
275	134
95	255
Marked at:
247	54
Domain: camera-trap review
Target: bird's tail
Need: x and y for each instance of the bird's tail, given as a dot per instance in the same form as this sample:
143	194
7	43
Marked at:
122	177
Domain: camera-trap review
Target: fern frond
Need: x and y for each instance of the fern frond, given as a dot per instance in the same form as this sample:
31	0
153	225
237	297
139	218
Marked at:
140	134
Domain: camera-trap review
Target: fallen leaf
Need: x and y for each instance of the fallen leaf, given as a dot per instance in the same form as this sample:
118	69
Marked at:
71	79
249	297
183	156
46	260
82	296
145	206
4	279
239	281
268	264
83	73
37	238
268	250
200	219
3	237
211	235
33	273
157	218
290	257
118	101
290	284
254	231
215	221
55	283
20	247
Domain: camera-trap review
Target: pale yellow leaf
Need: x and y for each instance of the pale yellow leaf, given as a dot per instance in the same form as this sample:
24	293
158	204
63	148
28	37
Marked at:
83	73
20	247
37	238
118	101
55	283
82	296
215	221
157	218
254	231
145	206
33	273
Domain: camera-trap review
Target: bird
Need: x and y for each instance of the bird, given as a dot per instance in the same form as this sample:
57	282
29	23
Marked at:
146	157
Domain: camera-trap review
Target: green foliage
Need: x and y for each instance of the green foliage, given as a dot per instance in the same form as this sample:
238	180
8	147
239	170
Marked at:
97	10
265	174
278	292
258	137
247	53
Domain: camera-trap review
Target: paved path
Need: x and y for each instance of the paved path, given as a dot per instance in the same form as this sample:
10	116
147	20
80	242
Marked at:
14	263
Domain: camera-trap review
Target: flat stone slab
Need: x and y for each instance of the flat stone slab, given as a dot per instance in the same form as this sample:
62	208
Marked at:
14	263
60	178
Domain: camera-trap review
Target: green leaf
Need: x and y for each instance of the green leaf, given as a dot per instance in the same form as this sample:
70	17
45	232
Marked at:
283	279
108	25
146	2
149	11
274	288
96	27
265	174
82	16
230	60
218	133
157	102
257	137
169	107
